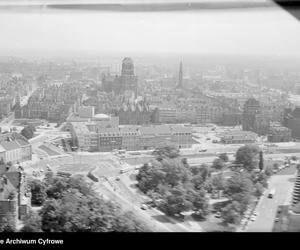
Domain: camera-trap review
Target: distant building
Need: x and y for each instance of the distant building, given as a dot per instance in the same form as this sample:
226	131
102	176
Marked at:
238	137
124	84
53	103
136	112
251	109
5	106
167	115
253	119
292	121
86	111
278	133
231	119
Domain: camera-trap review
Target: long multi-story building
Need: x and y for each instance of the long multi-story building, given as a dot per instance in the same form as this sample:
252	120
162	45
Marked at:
106	139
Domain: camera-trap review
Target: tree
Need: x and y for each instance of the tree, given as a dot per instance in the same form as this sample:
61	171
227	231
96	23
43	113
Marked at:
58	185
261	161
239	188
224	157
32	223
175	202
166	152
294	158
149	177
268	171
7	223
27	132
49	178
200	204
258	189
218	182
38	192
231	214
218	164
198	181
247	156
75	212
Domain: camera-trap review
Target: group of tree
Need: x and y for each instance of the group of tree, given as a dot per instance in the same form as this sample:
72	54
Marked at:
7	223
247	157
69	204
220	162
245	184
173	185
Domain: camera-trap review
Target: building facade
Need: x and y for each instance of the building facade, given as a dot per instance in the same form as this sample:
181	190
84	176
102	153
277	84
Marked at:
14	148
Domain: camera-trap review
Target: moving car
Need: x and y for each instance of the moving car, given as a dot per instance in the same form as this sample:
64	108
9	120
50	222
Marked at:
271	193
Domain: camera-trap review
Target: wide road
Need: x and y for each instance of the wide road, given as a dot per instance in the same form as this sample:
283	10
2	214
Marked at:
267	207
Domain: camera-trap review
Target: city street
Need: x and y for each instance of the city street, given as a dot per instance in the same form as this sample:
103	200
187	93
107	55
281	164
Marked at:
283	184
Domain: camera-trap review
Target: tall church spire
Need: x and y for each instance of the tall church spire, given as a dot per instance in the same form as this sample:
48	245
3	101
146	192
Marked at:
179	85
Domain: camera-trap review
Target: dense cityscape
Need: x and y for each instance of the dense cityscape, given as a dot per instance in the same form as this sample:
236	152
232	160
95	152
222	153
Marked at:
172	149
133	116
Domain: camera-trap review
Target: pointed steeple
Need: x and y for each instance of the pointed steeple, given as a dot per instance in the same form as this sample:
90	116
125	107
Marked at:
179	85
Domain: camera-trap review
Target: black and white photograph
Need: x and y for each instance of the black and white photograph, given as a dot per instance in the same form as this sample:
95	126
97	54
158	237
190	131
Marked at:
148	116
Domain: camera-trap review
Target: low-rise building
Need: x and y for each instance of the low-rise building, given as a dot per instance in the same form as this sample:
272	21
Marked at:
14	148
238	137
278	133
14	195
86	111
167	115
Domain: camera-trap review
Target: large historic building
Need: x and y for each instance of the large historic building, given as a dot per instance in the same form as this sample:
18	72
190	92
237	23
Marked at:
126	83
136	112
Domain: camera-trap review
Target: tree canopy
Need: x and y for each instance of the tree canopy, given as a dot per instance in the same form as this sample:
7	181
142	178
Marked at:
28	132
72	206
247	156
174	186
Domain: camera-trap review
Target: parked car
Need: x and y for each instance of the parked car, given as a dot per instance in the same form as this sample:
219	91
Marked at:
144	207
218	215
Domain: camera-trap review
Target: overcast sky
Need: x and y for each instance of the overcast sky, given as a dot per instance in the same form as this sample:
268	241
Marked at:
270	32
